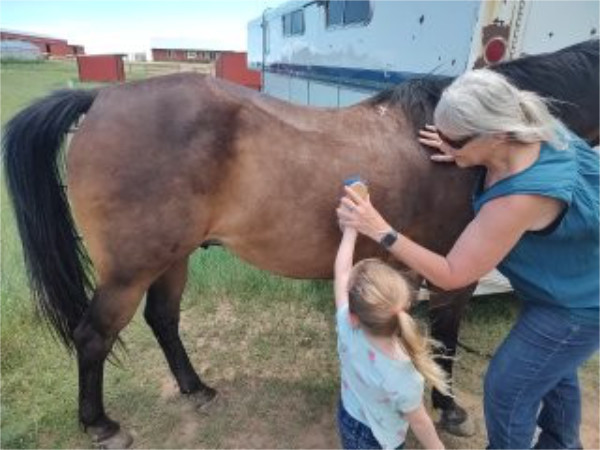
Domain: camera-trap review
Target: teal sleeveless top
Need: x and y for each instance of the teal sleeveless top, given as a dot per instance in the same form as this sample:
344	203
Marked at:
557	266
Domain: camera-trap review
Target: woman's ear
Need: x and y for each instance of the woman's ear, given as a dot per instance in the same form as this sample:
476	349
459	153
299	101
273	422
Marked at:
354	320
497	140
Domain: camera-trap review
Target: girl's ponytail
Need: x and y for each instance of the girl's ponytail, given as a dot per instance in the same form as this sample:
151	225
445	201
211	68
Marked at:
418	347
377	292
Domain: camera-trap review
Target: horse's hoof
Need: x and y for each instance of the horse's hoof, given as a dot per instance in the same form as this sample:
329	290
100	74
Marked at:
203	399
456	421
121	439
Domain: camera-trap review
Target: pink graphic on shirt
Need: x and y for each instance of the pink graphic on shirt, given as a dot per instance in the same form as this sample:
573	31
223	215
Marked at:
371	355
360	378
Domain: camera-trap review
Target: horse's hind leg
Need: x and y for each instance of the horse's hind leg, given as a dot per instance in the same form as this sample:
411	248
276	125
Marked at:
111	309
446	310
162	314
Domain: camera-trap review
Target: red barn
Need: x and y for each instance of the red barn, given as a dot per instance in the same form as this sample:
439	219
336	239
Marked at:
233	66
49	46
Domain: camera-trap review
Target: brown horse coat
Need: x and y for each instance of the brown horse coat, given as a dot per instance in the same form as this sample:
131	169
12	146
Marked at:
207	160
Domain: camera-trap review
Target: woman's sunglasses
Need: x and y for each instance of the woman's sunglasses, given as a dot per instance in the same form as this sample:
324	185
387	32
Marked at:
456	144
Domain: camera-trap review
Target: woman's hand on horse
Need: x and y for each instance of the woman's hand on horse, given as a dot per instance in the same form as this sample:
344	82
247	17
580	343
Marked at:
358	213
429	136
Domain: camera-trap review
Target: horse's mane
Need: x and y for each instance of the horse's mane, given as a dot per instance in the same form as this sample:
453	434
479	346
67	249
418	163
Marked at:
417	98
549	74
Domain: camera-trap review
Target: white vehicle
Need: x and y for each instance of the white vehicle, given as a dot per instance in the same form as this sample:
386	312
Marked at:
336	52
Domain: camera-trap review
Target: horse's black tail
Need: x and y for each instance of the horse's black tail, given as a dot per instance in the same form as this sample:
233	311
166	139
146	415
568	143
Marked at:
57	265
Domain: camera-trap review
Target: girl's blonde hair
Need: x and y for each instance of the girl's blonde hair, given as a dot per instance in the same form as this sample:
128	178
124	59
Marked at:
380	297
483	102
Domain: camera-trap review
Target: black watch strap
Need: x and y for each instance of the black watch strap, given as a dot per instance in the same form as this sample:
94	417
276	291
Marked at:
389	239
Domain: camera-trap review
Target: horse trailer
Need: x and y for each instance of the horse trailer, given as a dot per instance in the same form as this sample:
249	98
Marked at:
335	53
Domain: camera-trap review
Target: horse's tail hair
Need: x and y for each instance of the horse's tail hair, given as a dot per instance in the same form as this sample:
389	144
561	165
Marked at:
57	265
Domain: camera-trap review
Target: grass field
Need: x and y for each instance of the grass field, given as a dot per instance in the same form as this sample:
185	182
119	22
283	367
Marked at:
266	343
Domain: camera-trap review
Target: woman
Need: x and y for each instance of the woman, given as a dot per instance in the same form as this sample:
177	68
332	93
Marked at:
537	219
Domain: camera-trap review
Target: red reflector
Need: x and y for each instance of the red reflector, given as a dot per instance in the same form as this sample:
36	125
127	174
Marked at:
494	50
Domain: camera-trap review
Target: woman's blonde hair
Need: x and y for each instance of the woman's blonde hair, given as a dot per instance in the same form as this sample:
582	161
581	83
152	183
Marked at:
380	297
483	102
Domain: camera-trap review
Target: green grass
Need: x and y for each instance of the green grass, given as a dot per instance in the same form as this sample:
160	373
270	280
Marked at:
267	343
23	82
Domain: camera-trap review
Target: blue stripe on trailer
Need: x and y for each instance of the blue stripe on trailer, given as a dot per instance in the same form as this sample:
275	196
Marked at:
345	76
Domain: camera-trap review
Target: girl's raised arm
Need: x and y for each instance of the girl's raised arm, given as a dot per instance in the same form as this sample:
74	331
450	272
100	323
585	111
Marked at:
343	266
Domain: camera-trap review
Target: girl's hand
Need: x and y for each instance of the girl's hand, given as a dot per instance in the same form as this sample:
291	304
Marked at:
358	213
429	137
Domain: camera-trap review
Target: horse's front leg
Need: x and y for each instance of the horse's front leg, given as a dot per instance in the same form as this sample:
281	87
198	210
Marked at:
446	309
111	309
162	314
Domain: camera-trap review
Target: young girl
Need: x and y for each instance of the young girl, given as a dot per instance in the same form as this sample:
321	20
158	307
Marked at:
383	356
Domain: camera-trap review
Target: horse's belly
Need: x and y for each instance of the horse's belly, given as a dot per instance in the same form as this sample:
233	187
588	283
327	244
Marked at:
294	259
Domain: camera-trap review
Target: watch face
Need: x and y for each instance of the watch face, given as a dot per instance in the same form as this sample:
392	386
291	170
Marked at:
388	240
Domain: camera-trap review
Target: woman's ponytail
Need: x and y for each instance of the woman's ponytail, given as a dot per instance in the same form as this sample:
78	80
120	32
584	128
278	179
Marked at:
419	349
538	122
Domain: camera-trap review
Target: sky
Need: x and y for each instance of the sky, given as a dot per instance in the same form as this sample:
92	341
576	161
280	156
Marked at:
130	26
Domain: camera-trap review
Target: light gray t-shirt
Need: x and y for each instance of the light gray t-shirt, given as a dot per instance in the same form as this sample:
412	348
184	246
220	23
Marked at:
376	389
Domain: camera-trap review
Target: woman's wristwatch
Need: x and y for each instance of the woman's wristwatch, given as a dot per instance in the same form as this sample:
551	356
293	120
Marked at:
389	239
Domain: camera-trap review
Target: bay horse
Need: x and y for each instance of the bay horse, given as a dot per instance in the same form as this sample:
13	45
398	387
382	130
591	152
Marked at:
161	167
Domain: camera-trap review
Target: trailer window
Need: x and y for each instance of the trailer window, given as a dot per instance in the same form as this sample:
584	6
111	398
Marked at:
335	12
345	12
286	21
293	23
267	38
356	11
298	22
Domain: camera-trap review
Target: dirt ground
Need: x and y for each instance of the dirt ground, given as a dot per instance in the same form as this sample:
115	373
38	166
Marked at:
287	426
284	395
